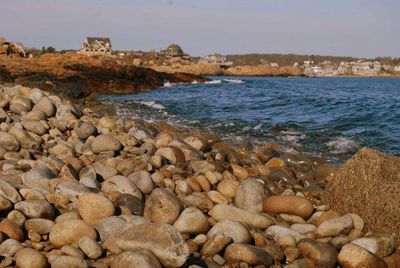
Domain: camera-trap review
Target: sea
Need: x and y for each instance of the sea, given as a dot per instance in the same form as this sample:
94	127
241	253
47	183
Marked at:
329	117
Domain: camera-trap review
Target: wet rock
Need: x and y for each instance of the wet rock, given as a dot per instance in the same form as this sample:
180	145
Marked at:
70	232
321	254
250	195
380	244
191	221
295	205
252	255
90	247
104	143
231	229
89	204
163	240
30	258
140	258
227	212
353	256
162	206
336	226
36	209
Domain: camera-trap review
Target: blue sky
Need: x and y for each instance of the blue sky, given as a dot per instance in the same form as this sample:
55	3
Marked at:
362	28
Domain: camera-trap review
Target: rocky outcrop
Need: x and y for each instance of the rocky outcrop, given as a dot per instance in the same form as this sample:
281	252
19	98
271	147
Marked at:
78	76
368	184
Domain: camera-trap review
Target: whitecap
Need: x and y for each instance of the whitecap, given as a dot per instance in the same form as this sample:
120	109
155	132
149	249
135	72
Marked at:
195	82
342	144
214	82
168	84
234	81
292	137
258	127
152	104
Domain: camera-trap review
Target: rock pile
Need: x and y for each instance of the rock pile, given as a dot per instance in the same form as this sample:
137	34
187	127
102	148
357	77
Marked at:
77	190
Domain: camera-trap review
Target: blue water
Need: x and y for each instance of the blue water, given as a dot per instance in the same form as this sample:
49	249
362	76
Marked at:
329	117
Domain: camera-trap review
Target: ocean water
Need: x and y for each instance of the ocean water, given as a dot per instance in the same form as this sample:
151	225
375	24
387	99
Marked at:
327	117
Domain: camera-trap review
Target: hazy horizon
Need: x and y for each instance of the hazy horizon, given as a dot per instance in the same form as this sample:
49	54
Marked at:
358	28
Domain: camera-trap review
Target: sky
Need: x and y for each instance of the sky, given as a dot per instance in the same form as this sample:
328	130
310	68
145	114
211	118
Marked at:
359	28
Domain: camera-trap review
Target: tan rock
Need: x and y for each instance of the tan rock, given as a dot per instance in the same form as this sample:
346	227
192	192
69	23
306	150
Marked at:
226	212
94	207
70	232
30	258
11	229
252	255
295	205
228	187
250	195
353	256
191	221
172	154
231	229
321	254
163	240
380	244
215	244
162	206
140	258
341	225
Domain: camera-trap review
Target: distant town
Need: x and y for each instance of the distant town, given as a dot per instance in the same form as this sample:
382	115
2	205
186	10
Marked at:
174	57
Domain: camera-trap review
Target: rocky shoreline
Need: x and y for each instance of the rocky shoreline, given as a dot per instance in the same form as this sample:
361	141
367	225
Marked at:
82	190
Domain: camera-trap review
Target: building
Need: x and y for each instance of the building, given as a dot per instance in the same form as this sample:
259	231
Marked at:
274	65
217	59
344	68
173	51
396	68
96	46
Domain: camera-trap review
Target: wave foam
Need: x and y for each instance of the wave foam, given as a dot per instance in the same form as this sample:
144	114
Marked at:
342	144
234	81
213	82
152	104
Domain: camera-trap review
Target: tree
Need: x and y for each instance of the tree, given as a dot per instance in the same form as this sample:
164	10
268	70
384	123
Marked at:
49	49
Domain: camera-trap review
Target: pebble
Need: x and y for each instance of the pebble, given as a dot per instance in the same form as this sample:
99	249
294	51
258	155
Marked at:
335	226
289	204
90	247
192	221
12	230
247	253
104	143
321	254
277	232
63	261
163	240
36	209
353	256
380	244
227	212
231	229
30	258
69	232
250	195
162	206
140	258
89	204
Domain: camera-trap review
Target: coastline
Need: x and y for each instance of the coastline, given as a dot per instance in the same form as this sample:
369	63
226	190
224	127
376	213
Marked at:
181	196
